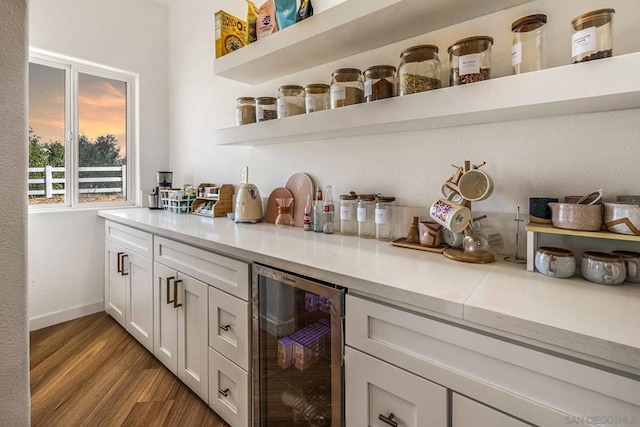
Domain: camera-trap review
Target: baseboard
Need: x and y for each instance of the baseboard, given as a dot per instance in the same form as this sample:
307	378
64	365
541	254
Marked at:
64	315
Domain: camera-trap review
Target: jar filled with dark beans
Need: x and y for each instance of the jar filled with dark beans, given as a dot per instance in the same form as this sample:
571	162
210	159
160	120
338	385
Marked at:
592	35
470	60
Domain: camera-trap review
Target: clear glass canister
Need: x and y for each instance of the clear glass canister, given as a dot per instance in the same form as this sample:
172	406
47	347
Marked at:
348	210
266	108
317	97
290	101
527	50
245	111
384	217
470	60
347	87
379	82
419	70
366	216
592	35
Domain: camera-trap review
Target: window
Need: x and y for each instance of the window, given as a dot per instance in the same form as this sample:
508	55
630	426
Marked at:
80	133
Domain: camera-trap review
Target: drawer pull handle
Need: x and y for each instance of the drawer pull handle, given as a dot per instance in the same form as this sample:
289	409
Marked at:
169	300
123	273
225	327
175	293
224	392
388	420
119	262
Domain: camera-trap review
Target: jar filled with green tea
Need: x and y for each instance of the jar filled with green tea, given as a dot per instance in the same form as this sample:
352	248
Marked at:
347	87
379	82
419	70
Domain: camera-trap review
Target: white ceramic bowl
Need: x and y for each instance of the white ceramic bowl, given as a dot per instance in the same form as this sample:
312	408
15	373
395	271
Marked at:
622	218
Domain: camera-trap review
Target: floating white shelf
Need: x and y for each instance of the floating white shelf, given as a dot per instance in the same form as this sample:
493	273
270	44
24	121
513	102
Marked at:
346	29
602	85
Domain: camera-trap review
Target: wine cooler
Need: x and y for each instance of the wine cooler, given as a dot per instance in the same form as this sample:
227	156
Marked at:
297	347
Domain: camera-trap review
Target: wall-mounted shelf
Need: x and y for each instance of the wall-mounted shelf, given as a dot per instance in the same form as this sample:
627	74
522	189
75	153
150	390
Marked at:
602	85
346	29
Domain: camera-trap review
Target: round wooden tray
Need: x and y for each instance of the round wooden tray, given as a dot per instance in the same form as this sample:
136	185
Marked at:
458	254
272	206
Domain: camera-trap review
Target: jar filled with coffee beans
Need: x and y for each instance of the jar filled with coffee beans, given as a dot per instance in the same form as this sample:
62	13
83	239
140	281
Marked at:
419	70
470	60
245	111
266	108
379	82
347	87
592	35
317	97
290	101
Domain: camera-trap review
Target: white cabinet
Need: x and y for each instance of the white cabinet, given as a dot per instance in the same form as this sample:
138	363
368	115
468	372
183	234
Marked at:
228	390
466	412
128	280
229	327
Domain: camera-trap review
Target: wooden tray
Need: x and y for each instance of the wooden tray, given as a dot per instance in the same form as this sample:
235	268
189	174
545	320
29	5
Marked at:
402	243
272	206
458	254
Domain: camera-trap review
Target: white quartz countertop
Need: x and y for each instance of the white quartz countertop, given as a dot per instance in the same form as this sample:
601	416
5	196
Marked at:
572	316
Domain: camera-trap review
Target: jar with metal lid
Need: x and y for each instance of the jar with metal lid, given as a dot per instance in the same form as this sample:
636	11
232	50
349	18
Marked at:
384	217
245	111
419	70
266	108
317	97
366	216
290	101
348	207
379	82
347	87
592	35
470	60
527	50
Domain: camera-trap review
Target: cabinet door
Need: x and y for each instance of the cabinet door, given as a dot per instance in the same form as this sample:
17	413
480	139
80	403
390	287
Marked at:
139	299
165	317
228	390
115	288
467	412
192	334
378	394
229	327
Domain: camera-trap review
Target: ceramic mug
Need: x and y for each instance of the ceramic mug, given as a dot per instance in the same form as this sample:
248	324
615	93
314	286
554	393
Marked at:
430	233
603	268
452	239
451	192
450	215
475	185
539	209
555	262
632	261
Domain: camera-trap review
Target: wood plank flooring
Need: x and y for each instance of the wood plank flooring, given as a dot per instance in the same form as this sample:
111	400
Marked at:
91	372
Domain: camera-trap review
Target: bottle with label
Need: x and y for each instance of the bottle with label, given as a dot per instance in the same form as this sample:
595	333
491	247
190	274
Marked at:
470	60
307	218
317	212
328	211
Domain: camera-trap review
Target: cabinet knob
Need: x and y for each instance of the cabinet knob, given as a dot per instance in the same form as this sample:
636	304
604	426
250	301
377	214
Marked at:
388	420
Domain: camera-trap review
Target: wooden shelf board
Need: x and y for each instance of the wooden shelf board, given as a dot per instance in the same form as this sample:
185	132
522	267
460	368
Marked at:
550	229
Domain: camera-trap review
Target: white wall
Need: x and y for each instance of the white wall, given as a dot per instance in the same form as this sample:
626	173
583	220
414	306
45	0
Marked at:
66	249
14	343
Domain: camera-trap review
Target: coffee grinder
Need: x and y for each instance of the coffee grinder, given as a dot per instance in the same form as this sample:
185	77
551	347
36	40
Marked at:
164	180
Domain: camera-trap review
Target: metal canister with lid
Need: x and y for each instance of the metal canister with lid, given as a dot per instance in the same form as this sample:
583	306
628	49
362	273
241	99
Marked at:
290	101
379	82
347	87
592	35
419	70
348	208
527	50
385	217
470	60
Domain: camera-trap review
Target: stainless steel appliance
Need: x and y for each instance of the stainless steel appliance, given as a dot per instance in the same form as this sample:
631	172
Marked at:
248	204
297	347
164	180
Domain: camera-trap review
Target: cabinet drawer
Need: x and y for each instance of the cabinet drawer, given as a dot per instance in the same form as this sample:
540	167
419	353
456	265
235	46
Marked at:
228	390
466	412
229	327
377	391
224	273
131	238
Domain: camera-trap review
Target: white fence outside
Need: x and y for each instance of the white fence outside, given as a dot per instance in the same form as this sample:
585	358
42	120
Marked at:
84	182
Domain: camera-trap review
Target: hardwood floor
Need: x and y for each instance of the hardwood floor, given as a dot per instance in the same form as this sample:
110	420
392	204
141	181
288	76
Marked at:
91	372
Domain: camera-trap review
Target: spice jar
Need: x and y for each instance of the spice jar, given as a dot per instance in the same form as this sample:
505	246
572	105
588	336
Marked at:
592	35
379	82
348	207
317	97
384	217
470	60
527	51
266	108
245	111
347	87
290	101
365	216
419	70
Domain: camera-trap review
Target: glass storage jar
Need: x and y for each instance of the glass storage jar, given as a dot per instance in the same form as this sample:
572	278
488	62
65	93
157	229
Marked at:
470	60
379	82
317	97
266	108
384	217
592	35
527	50
347	87
245	111
419	70
365	216
348	208
290	101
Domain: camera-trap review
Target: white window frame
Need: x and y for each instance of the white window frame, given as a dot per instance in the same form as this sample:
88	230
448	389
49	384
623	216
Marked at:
73	67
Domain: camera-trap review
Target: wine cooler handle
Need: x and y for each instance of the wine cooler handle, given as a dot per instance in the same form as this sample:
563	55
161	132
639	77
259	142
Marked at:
225	327
388	420
225	393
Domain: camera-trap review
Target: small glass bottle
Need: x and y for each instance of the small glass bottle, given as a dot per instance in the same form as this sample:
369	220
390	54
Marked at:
266	108
347	87
290	101
245	111
379	82
527	51
384	217
317	97
318	215
307	218
419	70
348	208
328	211
470	60
365	216
592	35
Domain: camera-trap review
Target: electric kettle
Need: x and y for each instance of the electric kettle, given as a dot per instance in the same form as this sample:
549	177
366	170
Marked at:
248	204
